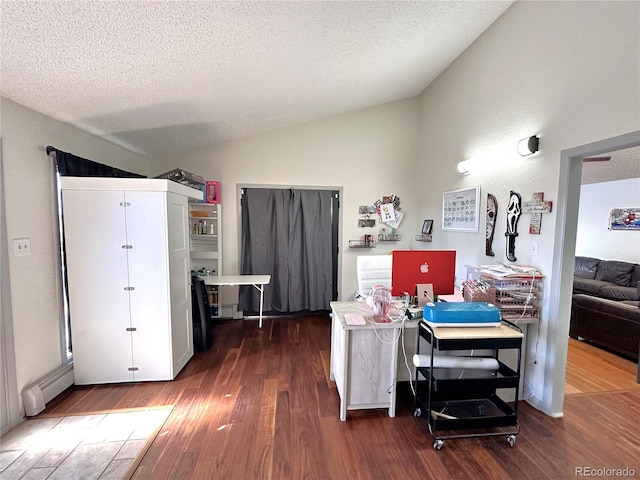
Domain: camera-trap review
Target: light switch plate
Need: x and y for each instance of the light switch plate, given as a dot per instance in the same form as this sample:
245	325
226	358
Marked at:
21	246
534	249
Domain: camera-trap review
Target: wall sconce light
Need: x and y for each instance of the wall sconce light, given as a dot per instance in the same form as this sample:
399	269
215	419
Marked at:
528	146
463	167
525	147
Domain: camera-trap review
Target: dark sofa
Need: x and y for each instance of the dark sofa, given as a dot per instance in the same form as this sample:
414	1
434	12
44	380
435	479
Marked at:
605	304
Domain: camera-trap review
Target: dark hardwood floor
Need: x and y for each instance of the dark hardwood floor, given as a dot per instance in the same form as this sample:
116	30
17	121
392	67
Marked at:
260	405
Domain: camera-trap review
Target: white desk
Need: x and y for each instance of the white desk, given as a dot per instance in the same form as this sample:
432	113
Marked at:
367	362
364	359
258	282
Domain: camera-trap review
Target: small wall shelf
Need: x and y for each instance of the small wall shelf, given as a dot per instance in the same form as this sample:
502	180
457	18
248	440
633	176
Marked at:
387	237
423	238
362	244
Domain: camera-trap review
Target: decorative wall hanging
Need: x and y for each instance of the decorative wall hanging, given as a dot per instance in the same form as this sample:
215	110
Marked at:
366	209
427	226
624	219
514	210
366	222
536	207
389	211
492	213
460	209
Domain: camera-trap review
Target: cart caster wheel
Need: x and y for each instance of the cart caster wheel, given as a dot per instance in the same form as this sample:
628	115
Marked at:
438	444
417	412
511	439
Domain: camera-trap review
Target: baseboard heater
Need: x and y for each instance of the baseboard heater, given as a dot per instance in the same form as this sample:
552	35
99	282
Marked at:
34	397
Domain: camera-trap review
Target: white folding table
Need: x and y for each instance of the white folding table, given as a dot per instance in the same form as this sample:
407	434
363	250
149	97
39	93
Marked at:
258	282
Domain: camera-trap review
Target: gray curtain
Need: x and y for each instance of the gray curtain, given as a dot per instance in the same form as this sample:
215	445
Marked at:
287	233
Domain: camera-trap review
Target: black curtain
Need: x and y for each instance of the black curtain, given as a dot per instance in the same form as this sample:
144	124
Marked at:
70	165
287	233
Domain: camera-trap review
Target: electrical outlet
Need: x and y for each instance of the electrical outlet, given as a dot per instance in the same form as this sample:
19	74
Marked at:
21	246
534	249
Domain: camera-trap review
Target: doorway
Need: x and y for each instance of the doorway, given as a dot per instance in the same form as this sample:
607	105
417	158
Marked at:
292	235
609	180
563	260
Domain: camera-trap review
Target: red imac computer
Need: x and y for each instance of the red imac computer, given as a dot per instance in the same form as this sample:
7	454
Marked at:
414	267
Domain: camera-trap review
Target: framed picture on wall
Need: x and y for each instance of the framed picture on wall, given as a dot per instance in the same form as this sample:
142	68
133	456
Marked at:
460	209
624	219
427	226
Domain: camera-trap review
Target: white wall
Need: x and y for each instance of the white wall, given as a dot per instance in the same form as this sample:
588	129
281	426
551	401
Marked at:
546	68
595	239
369	153
28	197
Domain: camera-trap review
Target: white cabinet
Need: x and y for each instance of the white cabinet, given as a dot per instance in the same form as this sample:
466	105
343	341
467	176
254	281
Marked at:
128	270
365	359
206	247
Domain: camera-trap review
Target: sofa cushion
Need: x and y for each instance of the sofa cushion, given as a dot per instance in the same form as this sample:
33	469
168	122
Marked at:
635	276
615	325
635	303
615	292
615	272
586	267
588	286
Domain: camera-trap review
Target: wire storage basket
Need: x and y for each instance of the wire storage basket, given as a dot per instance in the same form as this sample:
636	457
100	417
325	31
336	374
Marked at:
517	297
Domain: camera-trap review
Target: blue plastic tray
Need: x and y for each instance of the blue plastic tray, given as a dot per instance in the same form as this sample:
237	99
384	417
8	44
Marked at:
461	314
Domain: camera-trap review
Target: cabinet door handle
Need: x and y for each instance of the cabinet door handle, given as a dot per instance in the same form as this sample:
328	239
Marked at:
128	289
125	204
127	247
131	329
133	369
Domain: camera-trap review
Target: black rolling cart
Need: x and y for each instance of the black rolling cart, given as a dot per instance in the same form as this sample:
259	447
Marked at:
459	392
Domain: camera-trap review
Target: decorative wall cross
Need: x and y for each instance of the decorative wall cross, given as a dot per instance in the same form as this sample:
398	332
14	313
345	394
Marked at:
536	207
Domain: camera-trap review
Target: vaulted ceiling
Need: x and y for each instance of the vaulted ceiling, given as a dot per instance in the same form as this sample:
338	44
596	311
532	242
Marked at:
162	77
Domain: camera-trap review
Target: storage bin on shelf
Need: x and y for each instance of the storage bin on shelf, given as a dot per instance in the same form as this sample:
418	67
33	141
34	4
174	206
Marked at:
516	297
479	295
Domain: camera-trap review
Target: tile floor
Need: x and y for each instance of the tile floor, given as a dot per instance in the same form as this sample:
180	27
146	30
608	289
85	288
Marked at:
99	446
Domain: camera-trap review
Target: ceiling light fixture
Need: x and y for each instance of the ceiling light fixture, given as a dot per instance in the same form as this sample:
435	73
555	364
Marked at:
528	146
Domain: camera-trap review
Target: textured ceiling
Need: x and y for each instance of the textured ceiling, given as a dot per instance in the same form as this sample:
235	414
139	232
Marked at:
623	164
164	77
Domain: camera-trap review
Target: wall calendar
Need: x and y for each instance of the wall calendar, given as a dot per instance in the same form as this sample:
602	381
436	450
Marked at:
460	209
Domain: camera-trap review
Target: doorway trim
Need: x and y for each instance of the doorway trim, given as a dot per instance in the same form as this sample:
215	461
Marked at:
563	263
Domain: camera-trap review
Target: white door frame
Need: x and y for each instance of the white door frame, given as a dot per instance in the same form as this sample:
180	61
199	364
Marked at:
563	262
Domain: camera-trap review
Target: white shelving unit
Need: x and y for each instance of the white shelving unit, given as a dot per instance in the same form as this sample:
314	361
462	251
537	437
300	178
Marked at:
205	220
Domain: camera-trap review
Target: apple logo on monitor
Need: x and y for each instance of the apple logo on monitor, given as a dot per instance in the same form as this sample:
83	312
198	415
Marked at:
424	268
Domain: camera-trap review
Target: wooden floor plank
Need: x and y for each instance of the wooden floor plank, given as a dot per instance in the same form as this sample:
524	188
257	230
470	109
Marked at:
591	369
259	405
